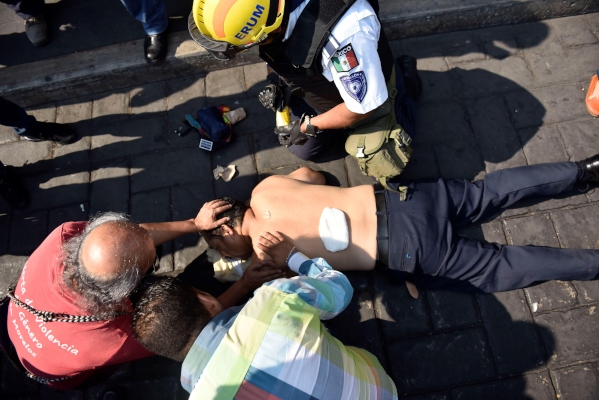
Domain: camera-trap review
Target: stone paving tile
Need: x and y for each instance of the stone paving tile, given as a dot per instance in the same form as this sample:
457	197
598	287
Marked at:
187	201
561	344
546	105
552	295
514	343
10	268
593	21
423	46
358	326
245	178
586	59
184	96
400	314
225	83
532	386
76	113
548	61
437	82
7	134
581	138
575	382
110	107
423	163
450	309
44	113
155	206
128	138
277	155
109	189
255	78
181	166
568	224
536	230
466	348
58	188
492	76
32	156
543	144
573	31
148	99
464	52
28	230
499	143
60	215
588	291
258	119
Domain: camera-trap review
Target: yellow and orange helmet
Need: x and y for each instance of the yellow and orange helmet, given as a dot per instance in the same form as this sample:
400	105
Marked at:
226	27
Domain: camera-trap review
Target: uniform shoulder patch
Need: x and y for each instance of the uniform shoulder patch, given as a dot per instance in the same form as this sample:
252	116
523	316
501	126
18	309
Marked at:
356	85
345	59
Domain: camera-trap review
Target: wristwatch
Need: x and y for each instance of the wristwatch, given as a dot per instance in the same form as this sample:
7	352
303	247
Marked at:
311	130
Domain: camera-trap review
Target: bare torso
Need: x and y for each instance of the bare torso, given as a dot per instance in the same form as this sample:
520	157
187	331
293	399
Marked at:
293	208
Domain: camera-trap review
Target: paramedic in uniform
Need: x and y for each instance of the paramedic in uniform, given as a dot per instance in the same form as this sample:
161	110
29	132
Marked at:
332	58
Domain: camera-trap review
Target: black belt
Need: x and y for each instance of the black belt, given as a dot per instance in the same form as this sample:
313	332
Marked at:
382	227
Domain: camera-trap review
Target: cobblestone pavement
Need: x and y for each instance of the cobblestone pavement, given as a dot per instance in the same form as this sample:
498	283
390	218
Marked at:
493	98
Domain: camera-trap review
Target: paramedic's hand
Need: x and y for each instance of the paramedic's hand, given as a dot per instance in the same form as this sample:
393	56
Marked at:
260	272
206	218
291	134
277	246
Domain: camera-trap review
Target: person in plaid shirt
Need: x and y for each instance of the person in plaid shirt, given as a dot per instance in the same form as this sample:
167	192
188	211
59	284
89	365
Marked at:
273	347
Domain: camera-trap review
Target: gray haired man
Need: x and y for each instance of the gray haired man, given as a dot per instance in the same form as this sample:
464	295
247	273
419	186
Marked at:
83	273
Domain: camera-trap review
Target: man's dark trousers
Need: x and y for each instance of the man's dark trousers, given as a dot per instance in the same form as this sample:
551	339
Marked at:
424	245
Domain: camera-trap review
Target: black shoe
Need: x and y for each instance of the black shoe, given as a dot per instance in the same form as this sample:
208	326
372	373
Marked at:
588	169
412	80
58	133
36	30
155	47
11	190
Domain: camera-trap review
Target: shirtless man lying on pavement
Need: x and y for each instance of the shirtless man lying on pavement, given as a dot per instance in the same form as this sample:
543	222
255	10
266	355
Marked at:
354	227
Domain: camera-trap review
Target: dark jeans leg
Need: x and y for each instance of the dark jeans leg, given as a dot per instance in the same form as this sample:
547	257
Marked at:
467	265
479	200
13	115
26	8
479	267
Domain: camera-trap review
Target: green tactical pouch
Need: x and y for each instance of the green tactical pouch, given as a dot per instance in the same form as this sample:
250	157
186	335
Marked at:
380	145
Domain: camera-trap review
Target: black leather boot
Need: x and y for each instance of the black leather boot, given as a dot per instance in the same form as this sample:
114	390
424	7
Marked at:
155	47
588	169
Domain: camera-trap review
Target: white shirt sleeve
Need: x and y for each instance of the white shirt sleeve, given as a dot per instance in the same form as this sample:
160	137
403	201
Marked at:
355	67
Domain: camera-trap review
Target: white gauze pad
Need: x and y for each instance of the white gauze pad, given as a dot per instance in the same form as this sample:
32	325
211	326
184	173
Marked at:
333	229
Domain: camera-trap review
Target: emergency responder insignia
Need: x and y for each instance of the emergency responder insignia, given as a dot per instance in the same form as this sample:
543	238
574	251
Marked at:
355	85
345	59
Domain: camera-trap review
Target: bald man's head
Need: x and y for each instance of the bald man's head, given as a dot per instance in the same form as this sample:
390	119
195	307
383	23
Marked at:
114	247
106	261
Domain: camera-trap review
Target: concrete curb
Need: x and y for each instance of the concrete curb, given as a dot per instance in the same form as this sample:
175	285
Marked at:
122	65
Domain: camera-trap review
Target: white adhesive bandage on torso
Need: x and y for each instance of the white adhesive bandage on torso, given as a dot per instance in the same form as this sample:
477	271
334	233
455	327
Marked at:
333	229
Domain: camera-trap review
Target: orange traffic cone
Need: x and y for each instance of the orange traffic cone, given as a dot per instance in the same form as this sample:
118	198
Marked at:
593	97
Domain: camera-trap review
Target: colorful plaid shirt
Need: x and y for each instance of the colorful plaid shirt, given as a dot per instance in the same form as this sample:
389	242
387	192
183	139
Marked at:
275	347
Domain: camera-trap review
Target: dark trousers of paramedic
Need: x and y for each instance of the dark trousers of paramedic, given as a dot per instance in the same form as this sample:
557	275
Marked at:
425	249
405	113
